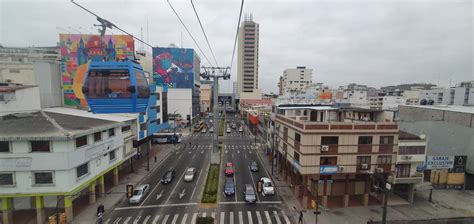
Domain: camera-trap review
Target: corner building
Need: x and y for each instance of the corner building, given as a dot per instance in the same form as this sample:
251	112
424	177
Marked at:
331	153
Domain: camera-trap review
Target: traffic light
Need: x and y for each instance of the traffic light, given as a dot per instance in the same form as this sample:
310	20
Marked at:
129	190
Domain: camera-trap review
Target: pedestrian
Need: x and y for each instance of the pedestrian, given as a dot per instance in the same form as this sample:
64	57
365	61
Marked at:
301	217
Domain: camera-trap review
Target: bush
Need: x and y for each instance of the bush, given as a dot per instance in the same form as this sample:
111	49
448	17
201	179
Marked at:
204	220
212	182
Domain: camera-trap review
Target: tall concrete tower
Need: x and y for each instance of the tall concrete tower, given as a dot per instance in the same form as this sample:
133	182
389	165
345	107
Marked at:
247	70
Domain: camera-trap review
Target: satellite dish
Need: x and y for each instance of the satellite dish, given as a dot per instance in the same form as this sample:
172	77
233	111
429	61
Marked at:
422	136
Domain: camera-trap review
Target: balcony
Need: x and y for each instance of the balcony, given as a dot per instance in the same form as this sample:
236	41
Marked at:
364	149
416	178
388	149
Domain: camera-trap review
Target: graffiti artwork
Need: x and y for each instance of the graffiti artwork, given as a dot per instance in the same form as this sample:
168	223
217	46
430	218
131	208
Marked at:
78	49
173	67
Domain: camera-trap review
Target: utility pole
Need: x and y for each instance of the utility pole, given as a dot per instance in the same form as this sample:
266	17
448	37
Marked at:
215	73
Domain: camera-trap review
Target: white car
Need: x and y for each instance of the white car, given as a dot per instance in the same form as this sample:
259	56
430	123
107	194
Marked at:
241	129
189	175
211	129
268	188
203	130
228	130
139	194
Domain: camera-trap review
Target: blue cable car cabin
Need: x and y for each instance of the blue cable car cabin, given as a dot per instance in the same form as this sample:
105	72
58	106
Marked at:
116	87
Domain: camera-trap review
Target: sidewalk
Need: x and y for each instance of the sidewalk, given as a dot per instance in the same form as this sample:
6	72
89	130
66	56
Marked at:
446	204
116	194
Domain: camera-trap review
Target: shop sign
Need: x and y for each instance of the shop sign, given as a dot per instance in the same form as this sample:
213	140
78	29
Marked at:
328	169
439	162
459	164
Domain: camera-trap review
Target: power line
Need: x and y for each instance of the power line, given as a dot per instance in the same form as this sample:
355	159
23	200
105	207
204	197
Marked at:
236	35
108	24
202	28
192	37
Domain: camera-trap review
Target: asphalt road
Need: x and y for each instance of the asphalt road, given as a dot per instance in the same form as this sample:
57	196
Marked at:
179	201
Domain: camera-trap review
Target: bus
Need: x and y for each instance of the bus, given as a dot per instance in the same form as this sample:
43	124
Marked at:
199	126
165	138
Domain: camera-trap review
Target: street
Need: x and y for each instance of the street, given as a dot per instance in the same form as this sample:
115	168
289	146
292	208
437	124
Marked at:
179	201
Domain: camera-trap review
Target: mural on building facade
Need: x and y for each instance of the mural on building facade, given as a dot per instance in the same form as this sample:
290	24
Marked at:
173	67
78	49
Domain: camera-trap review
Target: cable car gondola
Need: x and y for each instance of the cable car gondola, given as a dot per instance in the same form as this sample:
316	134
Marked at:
116	87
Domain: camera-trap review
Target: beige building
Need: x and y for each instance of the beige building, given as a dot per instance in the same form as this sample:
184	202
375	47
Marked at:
247	58
296	80
206	97
332	152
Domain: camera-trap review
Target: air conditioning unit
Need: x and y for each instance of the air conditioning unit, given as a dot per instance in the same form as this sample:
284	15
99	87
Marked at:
324	148
405	157
379	170
340	168
364	166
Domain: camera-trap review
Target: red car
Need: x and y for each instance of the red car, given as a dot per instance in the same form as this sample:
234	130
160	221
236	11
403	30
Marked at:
229	168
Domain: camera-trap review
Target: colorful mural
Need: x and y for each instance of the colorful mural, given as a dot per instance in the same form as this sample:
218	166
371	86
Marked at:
173	67
78	49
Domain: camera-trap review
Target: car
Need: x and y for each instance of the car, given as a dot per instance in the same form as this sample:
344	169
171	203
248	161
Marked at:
254	166
241	129
228	130
139	194
234	126
210	121
229	168
268	188
168	177
211	114
203	130
249	194
211	130
229	187
189	175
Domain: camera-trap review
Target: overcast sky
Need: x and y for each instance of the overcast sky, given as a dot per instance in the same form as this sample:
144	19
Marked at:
376	43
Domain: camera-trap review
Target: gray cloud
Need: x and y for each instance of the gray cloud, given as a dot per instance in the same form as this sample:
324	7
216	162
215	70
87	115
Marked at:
372	42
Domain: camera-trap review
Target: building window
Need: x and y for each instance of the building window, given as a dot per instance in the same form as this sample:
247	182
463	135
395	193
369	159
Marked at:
6	179
386	140
111	132
296	156
97	136
81	141
158	96
126	128
365	140
4	146
329	140
158	109
82	170
43	178
411	150
40	146
142	126
328	161
363	160
384	160
112	155
297	137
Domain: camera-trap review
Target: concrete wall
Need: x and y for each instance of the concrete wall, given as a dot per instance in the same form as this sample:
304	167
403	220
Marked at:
48	78
27	99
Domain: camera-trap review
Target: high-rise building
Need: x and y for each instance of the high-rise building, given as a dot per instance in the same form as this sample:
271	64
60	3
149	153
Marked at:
296	79
247	70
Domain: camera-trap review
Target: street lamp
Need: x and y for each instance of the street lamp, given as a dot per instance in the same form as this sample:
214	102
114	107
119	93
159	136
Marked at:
174	128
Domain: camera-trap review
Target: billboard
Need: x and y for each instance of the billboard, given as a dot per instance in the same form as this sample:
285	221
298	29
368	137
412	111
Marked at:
173	67
439	162
78	49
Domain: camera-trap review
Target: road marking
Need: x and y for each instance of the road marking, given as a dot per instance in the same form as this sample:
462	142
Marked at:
155	220
146	219
204	214
156	206
232	155
231	215
267	215
222	217
277	218
193	220
253	182
176	185
165	219
117	220
245	156
249	215
285	217
175	218
241	218
259	217
107	221
183	192
126	220
136	219
185	216
197	183
158	196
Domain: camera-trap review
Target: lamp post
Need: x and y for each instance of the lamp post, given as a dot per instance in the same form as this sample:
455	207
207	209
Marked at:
174	127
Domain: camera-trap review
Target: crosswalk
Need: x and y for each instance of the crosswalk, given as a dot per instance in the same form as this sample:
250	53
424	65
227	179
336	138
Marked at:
225	134
239	147
231	217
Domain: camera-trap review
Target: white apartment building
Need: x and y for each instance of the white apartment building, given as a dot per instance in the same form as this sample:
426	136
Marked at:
247	59
355	95
460	95
46	154
296	80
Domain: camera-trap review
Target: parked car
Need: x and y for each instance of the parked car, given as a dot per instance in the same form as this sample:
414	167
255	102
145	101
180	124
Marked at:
241	129
234	126
249	194
254	166
228	130
139	194
211	129
189	175
203	130
268	188
229	168
168	177
229	187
